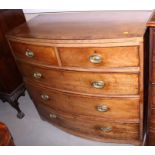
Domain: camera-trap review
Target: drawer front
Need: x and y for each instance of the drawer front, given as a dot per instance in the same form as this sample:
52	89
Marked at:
152	118
84	82
120	131
153	71
152	31
110	108
34	53
151	138
153	96
100	57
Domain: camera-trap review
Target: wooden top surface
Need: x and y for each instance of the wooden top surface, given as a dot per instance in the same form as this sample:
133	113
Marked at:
89	25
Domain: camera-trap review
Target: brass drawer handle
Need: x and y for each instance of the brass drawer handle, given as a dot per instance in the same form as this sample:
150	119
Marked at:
98	84
95	58
45	97
102	108
52	116
106	129
29	53
37	75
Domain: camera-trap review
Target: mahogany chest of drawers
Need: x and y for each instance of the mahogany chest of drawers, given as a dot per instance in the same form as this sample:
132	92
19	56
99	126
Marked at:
151	84
11	84
84	71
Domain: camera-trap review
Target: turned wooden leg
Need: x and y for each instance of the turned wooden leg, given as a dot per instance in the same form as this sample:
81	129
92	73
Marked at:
15	104
3	100
13	97
23	94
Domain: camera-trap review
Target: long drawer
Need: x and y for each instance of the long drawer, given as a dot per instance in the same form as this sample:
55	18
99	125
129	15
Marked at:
84	82
35	53
121	109
99	57
101	130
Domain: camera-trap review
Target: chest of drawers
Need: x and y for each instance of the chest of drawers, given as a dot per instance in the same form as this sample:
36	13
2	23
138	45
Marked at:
84	71
11	84
151	83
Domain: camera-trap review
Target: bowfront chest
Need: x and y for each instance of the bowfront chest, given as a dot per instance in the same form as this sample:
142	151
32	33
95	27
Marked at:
84	71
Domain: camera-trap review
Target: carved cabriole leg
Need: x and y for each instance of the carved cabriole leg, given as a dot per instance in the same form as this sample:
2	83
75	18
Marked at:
12	99
15	104
3	100
20	91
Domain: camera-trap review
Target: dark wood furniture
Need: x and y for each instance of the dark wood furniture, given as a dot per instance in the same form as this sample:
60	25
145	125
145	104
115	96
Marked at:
150	140
11	85
84	71
5	136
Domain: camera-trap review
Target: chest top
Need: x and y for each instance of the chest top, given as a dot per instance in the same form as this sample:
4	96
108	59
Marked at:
94	25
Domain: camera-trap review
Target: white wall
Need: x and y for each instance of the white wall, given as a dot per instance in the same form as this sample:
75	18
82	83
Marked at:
85	5
29	16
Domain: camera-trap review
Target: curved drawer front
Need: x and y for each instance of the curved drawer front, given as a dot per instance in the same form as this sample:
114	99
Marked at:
105	129
110	108
34	53
84	82
100	57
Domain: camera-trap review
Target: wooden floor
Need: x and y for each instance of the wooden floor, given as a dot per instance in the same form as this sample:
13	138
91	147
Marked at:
32	131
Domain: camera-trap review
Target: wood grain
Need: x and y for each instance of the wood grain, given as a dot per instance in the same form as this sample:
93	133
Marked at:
10	77
118	108
86	25
152	118
150	115
82	81
5	136
43	54
151	139
92	128
111	57
153	72
118	36
153	97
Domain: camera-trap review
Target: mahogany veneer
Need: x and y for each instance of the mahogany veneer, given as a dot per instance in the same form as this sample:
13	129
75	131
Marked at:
11	84
84	71
5	136
151	88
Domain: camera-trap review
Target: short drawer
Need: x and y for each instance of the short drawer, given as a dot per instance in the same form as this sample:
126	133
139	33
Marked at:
99	57
110	108
84	82
34	53
100	129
